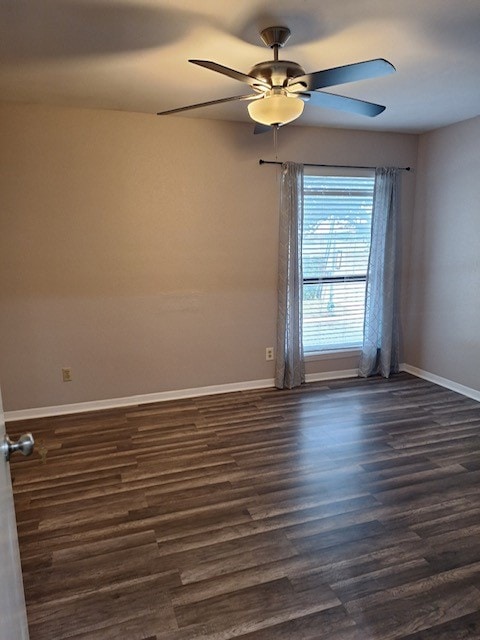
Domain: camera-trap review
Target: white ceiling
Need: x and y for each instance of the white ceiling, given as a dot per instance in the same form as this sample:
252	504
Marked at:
131	55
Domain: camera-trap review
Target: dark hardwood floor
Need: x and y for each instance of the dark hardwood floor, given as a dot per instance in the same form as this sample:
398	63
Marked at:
347	510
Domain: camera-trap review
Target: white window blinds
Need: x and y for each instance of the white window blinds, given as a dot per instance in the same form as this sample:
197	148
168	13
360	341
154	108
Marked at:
336	246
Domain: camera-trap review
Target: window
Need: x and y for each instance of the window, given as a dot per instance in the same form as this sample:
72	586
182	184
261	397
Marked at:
336	246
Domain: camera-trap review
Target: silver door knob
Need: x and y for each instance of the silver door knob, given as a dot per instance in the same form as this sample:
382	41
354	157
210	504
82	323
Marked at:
24	444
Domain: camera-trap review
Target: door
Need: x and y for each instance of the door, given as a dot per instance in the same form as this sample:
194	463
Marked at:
13	615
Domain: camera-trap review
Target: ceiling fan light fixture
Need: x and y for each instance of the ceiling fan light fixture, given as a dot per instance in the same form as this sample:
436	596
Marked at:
276	108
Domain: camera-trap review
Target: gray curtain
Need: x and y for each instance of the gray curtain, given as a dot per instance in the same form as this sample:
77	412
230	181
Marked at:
381	334
289	366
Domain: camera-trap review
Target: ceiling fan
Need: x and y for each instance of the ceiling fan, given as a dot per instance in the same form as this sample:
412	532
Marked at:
280	88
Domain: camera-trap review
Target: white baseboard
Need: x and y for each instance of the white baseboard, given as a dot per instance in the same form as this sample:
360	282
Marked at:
163	396
442	382
115	403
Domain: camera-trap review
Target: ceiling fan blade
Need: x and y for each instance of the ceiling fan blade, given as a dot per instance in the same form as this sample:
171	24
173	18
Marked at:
231	73
341	75
261	128
333	101
250	96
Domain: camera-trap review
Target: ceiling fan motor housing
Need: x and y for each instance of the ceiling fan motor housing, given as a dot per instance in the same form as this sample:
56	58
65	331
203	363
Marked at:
276	73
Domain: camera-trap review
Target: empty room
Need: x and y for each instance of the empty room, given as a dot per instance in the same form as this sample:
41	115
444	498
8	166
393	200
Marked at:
239	327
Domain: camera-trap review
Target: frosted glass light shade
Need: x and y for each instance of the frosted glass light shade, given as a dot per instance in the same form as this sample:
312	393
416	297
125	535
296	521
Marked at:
275	109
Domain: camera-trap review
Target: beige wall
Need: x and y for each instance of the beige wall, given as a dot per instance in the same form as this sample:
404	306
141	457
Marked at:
141	251
443	319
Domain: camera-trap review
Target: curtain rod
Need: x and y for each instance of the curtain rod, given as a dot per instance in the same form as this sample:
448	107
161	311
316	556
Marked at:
330	166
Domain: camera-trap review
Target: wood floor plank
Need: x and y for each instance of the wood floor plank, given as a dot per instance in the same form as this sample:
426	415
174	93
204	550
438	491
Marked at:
413	614
346	510
256	607
463	628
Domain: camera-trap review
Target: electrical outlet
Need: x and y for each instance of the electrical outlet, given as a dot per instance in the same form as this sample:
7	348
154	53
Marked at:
67	374
269	353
